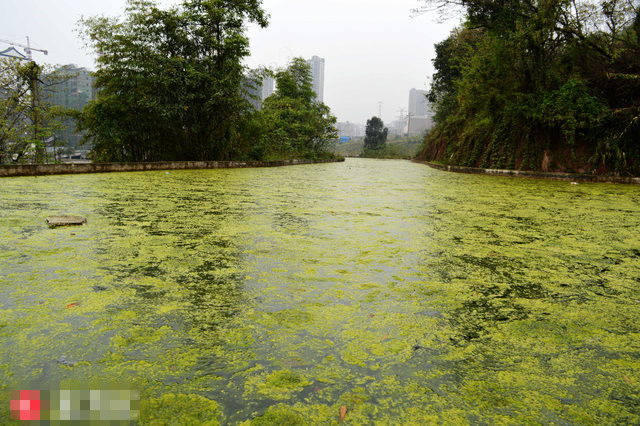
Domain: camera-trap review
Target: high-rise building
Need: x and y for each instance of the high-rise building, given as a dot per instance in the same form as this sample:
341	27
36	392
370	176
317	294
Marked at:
349	129
267	87
317	73
418	103
73	90
420	117
257	89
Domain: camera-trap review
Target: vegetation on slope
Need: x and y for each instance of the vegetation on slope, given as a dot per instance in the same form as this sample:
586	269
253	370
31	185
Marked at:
539	85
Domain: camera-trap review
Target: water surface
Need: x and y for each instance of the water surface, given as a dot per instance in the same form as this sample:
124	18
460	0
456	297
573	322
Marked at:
406	294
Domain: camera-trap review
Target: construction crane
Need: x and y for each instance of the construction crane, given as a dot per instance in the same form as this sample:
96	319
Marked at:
27	48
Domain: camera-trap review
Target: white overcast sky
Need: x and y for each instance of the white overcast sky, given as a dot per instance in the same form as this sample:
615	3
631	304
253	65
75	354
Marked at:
374	51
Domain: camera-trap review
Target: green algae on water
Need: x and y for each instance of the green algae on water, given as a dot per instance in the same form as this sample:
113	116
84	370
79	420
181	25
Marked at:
261	296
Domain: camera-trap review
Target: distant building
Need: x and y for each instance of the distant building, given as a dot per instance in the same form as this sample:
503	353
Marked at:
252	92
398	127
317	72
418	105
76	88
267	87
258	90
419	125
420	115
74	91
348	129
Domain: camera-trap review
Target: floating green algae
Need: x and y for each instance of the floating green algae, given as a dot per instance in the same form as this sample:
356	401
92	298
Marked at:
406	294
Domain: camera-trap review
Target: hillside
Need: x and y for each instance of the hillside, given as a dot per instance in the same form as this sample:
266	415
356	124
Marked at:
521	86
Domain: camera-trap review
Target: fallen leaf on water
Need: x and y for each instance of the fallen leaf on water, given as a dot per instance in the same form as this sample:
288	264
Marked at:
73	305
626	378
343	412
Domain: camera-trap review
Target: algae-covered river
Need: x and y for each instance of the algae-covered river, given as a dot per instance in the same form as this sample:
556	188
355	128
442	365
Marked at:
404	294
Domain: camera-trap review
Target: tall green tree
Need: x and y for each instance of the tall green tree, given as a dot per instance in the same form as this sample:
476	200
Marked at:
26	119
375	138
295	124
169	82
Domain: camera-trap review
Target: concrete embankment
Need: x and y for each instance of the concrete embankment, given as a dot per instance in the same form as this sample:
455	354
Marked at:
60	169
574	177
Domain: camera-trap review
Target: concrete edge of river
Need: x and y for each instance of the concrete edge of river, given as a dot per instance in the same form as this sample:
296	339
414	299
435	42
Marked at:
10	170
574	177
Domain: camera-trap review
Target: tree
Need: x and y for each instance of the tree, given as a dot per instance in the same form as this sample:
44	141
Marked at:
527	77
295	124
169	82
26	119
375	137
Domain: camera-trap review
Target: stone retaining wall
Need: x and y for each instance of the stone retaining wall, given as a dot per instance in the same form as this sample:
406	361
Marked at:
574	177
59	169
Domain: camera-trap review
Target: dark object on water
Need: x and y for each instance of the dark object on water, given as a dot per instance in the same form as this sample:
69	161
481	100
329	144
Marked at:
99	288
65	220
63	361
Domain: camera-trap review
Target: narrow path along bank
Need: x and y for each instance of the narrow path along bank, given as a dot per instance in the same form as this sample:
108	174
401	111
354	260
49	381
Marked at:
63	169
575	177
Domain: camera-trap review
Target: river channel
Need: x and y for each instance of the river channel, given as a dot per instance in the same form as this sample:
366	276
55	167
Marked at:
404	294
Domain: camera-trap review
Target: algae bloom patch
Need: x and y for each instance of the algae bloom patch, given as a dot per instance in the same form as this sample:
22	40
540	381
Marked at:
376	292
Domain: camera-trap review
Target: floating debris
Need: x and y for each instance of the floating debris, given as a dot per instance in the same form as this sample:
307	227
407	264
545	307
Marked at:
65	220
63	361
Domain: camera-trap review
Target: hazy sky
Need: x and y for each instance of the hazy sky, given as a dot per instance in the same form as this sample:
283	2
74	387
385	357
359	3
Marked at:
374	51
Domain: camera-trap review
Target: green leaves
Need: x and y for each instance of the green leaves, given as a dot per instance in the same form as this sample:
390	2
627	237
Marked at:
295	124
170	81
27	118
572	109
375	137
526	78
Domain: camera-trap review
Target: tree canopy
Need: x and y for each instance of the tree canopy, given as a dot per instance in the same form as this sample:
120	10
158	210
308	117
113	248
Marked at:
539	85
294	123
375	137
27	120
170	82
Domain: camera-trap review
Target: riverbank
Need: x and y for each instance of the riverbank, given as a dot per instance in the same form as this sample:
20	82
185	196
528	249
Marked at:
573	177
64	169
